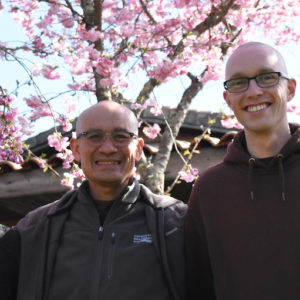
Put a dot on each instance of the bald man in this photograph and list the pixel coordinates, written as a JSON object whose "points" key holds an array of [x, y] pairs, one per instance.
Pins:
{"points": [[242, 226], [110, 239]]}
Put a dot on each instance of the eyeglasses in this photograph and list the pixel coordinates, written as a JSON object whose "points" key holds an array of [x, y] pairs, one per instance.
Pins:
{"points": [[97, 137], [264, 80]]}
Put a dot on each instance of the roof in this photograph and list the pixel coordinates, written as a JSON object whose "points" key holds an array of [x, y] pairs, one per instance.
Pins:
{"points": [[194, 124]]}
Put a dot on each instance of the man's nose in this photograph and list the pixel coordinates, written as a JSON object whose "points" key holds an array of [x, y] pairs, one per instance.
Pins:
{"points": [[107, 145], [253, 88]]}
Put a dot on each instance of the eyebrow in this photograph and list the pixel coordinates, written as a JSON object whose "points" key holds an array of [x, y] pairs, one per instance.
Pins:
{"points": [[242, 75], [114, 129]]}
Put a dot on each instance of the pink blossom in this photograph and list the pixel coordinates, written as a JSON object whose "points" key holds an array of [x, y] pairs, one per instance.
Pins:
{"points": [[65, 122], [45, 22], [41, 111], [11, 147], [138, 106], [68, 181], [66, 165], [38, 44], [62, 155], [293, 109], [41, 164], [59, 143], [155, 110], [164, 70], [78, 61], [83, 85], [46, 70], [10, 115], [106, 82], [189, 176], [33, 102], [78, 173], [104, 66], [24, 126], [68, 22], [91, 35], [71, 104], [7, 100], [231, 123], [49, 72], [152, 131], [67, 158]]}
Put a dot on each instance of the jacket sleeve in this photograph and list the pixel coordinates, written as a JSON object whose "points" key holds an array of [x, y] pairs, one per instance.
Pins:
{"points": [[9, 262], [199, 273]]}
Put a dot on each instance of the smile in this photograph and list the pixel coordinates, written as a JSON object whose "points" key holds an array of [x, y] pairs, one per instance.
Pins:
{"points": [[255, 108], [107, 163]]}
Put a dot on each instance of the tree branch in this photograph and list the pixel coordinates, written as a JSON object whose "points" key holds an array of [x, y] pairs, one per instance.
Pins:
{"points": [[215, 17]]}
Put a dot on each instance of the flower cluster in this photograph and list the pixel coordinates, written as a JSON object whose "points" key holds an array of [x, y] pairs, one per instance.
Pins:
{"points": [[10, 139], [231, 122], [152, 131], [189, 174], [159, 39]]}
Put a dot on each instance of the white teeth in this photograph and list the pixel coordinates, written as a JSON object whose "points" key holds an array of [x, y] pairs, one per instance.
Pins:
{"points": [[257, 107]]}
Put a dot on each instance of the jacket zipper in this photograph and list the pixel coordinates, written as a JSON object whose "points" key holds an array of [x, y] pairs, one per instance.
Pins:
{"points": [[98, 264], [100, 233], [111, 254]]}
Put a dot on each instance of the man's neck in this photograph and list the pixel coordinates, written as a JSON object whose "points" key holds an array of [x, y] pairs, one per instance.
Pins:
{"points": [[266, 144], [106, 192]]}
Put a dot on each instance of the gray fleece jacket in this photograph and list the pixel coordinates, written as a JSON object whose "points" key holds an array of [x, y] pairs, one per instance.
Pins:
{"points": [[138, 253]]}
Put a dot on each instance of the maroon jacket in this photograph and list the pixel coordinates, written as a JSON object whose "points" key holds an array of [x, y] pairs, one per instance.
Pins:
{"points": [[243, 226]]}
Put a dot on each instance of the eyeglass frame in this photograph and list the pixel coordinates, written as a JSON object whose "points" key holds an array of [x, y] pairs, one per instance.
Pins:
{"points": [[107, 133], [280, 75]]}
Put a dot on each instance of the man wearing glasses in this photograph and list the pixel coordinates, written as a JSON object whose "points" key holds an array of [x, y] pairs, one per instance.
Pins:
{"points": [[110, 239], [243, 222]]}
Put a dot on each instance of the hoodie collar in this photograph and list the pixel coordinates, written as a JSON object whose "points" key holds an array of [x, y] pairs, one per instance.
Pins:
{"points": [[237, 153]]}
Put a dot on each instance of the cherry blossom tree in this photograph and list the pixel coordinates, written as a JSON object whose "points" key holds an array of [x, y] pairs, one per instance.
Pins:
{"points": [[101, 43]]}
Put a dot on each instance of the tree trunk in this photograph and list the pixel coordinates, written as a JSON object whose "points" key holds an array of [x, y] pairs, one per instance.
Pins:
{"points": [[92, 11], [154, 177]]}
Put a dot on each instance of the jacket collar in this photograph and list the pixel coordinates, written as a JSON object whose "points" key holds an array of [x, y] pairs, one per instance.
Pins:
{"points": [[128, 196]]}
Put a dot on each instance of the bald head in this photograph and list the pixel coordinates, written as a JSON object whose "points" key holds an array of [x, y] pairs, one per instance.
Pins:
{"points": [[262, 55], [110, 110]]}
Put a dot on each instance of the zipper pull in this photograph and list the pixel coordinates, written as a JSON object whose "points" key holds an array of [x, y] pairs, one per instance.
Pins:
{"points": [[100, 233], [113, 238]]}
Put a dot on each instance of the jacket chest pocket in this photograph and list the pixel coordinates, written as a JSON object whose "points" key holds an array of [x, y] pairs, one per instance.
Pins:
{"points": [[129, 253]]}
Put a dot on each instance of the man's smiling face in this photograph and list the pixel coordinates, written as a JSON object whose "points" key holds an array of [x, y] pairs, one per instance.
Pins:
{"points": [[107, 164], [259, 109]]}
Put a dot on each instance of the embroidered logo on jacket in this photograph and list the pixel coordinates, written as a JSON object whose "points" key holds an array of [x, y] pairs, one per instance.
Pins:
{"points": [[142, 238]]}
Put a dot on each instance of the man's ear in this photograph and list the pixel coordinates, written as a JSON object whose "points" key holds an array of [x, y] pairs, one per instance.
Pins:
{"points": [[139, 149], [74, 145], [226, 98], [291, 85]]}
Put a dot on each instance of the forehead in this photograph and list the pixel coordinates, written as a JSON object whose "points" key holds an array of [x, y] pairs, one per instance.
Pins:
{"points": [[106, 118], [252, 60]]}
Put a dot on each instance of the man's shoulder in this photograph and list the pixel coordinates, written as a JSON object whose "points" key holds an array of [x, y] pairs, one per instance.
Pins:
{"points": [[174, 210], [40, 214], [162, 201], [214, 172]]}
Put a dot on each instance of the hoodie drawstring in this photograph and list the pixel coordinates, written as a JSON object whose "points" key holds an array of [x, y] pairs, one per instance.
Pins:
{"points": [[281, 174], [282, 178], [250, 177]]}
